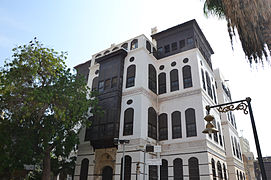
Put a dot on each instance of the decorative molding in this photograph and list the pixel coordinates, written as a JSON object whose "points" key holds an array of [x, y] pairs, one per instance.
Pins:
{"points": [[137, 91], [178, 95]]}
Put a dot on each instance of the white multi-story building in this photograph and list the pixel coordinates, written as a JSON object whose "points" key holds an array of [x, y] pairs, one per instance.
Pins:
{"points": [[155, 93]]}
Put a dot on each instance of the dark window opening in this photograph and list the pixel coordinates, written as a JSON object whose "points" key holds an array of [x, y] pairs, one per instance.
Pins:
{"points": [[185, 60], [167, 48], [160, 51], [176, 125], [193, 165], [164, 170], [152, 123], [95, 84], [162, 83], [115, 48], [148, 46], [163, 129], [174, 80], [174, 46], [219, 171], [173, 64], [114, 82], [203, 79], [225, 172], [190, 119], [182, 44], [214, 94], [107, 84], [125, 46], [84, 169], [215, 134], [131, 70], [178, 169], [209, 88], [152, 79], [128, 122], [101, 86], [127, 168], [213, 169], [153, 172], [134, 44], [190, 41], [161, 67], [187, 77]]}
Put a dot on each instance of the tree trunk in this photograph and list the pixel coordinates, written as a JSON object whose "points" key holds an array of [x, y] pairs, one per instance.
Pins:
{"points": [[46, 165]]}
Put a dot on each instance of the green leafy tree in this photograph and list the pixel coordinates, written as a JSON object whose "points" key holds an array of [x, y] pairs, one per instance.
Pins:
{"points": [[251, 19], [44, 106]]}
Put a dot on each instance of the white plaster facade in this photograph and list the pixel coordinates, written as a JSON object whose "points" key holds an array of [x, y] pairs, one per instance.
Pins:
{"points": [[202, 146]]}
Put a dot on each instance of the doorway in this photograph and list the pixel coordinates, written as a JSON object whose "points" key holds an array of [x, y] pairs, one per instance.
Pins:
{"points": [[107, 173]]}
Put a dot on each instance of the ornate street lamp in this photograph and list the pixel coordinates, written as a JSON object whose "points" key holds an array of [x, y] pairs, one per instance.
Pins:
{"points": [[243, 105]]}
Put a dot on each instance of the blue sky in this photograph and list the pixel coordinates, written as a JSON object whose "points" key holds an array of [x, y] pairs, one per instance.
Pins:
{"points": [[85, 27]]}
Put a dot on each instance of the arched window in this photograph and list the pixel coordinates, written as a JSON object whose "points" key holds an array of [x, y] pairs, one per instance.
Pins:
{"points": [[84, 169], [131, 71], [190, 119], [152, 123], [178, 169], [134, 44], [214, 94], [224, 171], [174, 80], [244, 176], [241, 176], [95, 84], [209, 87], [125, 46], [162, 86], [219, 170], [237, 174], [187, 77], [176, 125], [213, 169], [164, 170], [128, 122], [153, 172], [148, 46], [152, 78], [193, 165], [127, 168], [203, 80], [162, 124]]}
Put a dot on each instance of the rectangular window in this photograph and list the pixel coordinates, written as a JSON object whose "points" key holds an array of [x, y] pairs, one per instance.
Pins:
{"points": [[153, 172], [174, 46], [114, 82], [182, 43], [167, 48], [101, 86], [107, 84], [160, 50], [190, 40]]}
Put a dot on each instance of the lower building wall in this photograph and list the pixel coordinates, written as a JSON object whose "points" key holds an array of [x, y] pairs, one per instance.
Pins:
{"points": [[111, 158]]}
